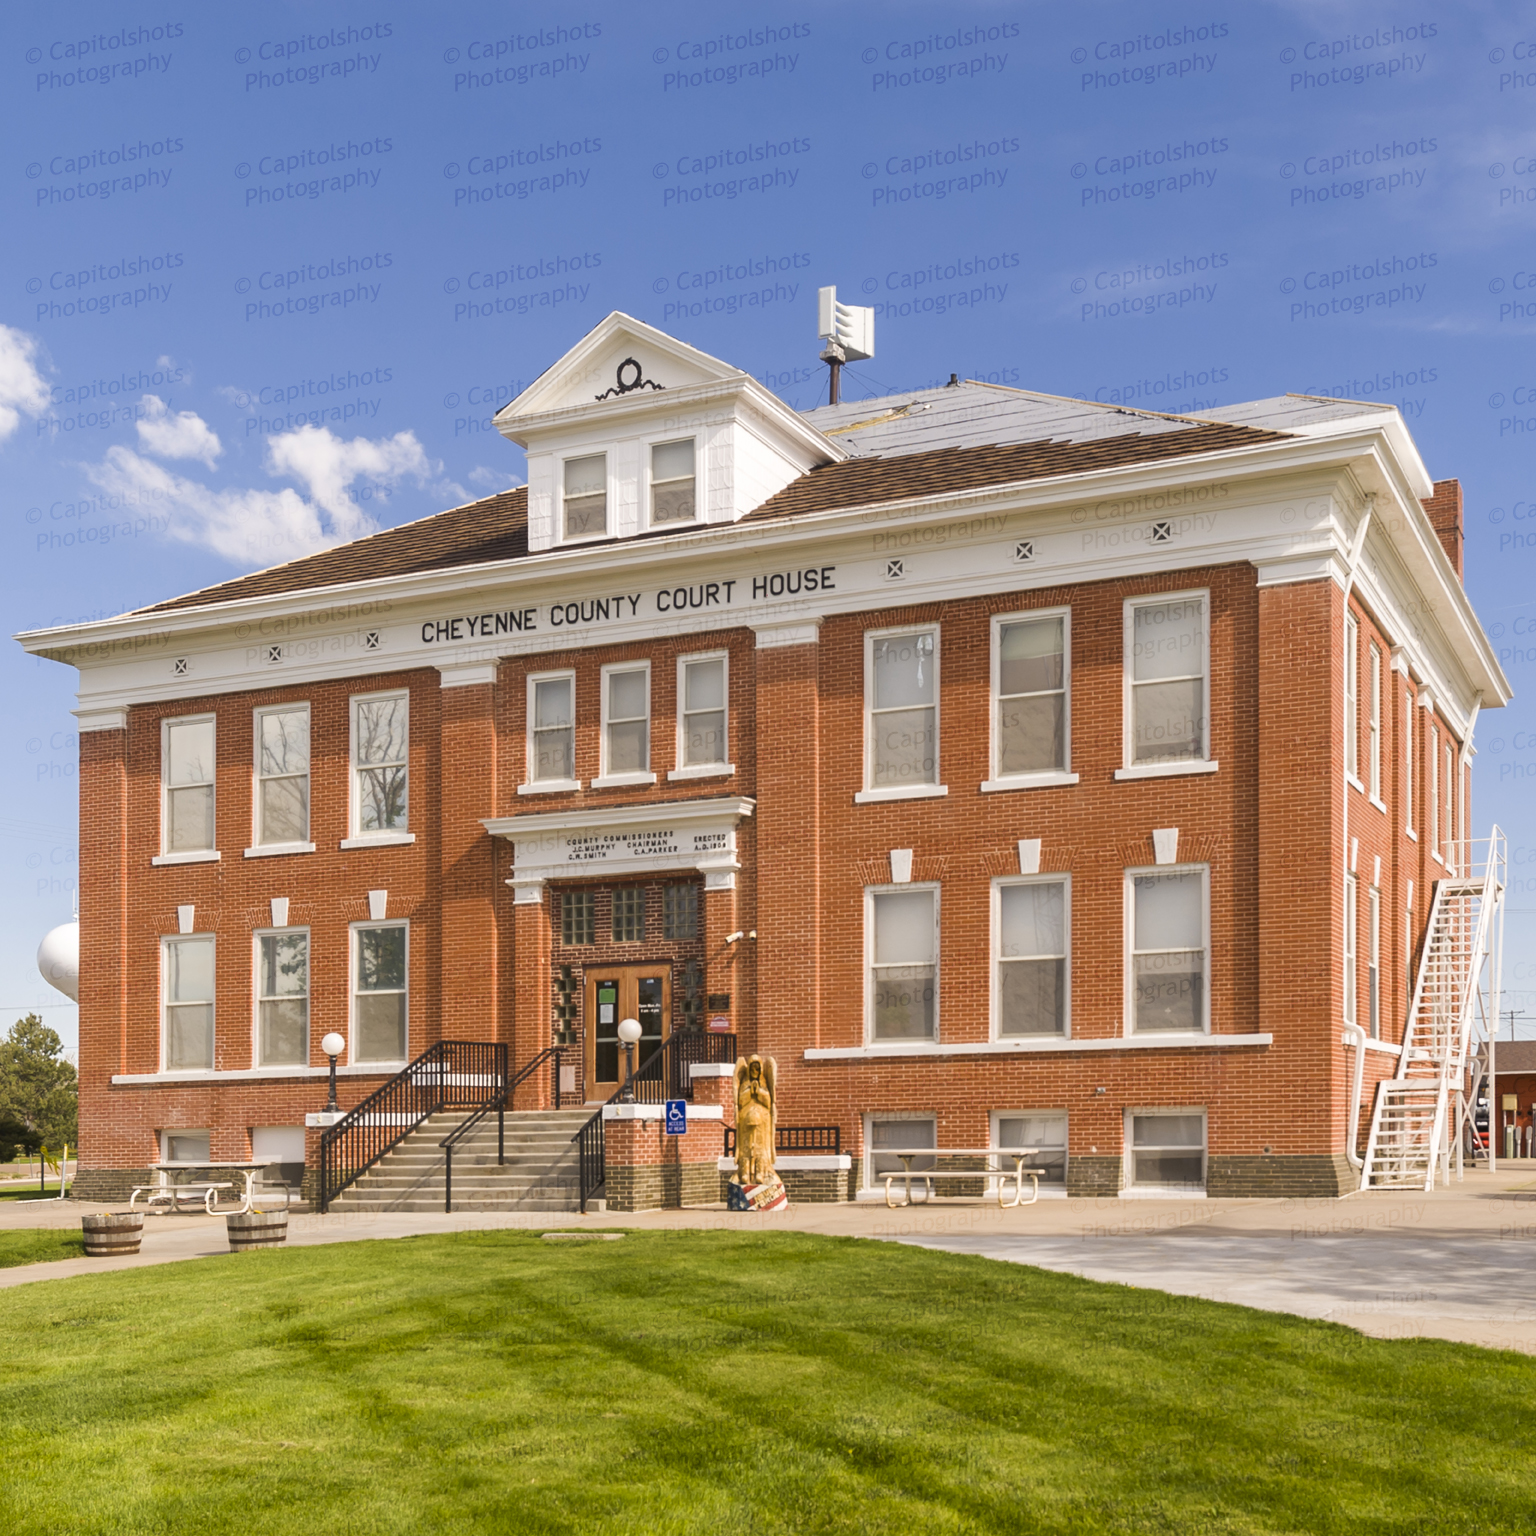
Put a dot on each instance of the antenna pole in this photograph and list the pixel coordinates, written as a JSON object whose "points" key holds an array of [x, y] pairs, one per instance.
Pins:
{"points": [[834, 357]]}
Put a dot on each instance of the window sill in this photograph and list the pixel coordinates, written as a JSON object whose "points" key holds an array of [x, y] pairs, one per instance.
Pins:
{"points": [[274, 850], [901, 792], [379, 840], [550, 787], [1436, 857], [1353, 782], [1163, 1192], [1411, 833], [1165, 770], [702, 771], [1027, 781], [251, 1074], [1380, 805], [1025, 1047], [622, 780], [202, 856]]}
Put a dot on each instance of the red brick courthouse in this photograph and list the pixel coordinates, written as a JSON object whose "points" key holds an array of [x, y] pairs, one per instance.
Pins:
{"points": [[1015, 770]]}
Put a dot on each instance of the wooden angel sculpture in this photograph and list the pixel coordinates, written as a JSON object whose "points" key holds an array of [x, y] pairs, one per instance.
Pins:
{"points": [[756, 1117]]}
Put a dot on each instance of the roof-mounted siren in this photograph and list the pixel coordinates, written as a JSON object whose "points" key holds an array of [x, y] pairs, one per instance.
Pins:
{"points": [[849, 333]]}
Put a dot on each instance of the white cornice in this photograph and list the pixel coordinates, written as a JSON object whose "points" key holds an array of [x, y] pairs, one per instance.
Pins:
{"points": [[629, 817]]}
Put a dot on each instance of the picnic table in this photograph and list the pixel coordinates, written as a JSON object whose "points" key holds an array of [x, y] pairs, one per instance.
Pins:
{"points": [[168, 1196], [1019, 1156]]}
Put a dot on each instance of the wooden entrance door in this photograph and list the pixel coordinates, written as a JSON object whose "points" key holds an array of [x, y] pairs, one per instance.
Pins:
{"points": [[615, 993]]}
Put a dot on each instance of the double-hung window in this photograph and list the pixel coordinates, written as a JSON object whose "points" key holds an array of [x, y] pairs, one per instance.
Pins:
{"points": [[379, 992], [282, 998], [1408, 744], [1373, 959], [186, 1015], [585, 509], [187, 772], [1351, 696], [1166, 1149], [672, 483], [1167, 685], [902, 704], [282, 776], [1373, 722], [1031, 925], [1029, 691], [626, 725], [902, 947], [1434, 791], [1169, 918], [1450, 804], [552, 731], [1046, 1133], [701, 715], [380, 771]]}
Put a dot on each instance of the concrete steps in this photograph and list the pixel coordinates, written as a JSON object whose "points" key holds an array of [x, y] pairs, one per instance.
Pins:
{"points": [[539, 1173]]}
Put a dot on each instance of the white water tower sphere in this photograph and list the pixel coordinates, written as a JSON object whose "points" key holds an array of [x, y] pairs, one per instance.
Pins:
{"points": [[333, 1044], [58, 958]]}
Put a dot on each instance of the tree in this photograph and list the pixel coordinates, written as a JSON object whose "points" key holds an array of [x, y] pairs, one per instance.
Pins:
{"points": [[39, 1092]]}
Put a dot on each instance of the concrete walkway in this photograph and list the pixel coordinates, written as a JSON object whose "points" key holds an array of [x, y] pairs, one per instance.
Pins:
{"points": [[1455, 1264]]}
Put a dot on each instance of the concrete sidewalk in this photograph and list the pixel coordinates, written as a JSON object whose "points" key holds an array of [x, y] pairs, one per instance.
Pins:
{"points": [[1455, 1264]]}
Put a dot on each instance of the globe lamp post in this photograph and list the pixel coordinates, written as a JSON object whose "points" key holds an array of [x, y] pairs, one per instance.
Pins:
{"points": [[629, 1033]]}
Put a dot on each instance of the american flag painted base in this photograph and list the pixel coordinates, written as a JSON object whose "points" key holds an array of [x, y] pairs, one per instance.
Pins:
{"points": [[770, 1195]]}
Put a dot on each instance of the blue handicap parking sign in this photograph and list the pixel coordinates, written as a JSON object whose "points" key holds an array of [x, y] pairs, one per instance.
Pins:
{"points": [[677, 1117]]}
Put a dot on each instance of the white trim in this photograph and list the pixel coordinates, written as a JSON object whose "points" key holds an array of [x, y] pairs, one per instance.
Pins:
{"points": [[607, 779], [354, 800], [107, 718], [1063, 774], [273, 850], [1384, 1046], [187, 855], [1161, 871], [1167, 770], [378, 840], [1027, 781], [700, 770], [893, 888], [898, 791], [353, 929], [901, 792], [1026, 1047], [995, 937], [698, 1069], [257, 935], [561, 540], [531, 785], [1128, 765], [647, 486], [772, 637], [465, 674]]}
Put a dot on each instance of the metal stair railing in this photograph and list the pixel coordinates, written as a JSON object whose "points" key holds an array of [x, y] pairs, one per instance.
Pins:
{"points": [[661, 1076], [452, 1074], [1409, 1120], [500, 1105]]}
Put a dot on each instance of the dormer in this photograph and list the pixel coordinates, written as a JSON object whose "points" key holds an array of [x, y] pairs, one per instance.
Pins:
{"points": [[633, 431]]}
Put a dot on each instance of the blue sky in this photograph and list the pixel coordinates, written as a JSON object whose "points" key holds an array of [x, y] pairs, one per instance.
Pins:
{"points": [[227, 225]]}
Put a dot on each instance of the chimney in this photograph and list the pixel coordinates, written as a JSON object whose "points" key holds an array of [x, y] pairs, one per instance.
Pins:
{"points": [[1444, 509]]}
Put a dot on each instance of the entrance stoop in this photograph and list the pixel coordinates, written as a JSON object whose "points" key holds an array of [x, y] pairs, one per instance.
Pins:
{"points": [[539, 1172]]}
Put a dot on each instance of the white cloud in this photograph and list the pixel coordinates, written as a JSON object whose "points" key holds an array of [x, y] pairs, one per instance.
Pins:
{"points": [[21, 385], [259, 527], [182, 436], [493, 479], [327, 466]]}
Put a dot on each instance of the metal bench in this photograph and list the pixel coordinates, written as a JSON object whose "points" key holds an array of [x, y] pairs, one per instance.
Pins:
{"points": [[166, 1196], [1018, 1155], [173, 1195]]}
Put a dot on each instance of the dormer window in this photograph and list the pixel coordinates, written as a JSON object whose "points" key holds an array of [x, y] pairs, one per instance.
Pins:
{"points": [[586, 497], [672, 498]]}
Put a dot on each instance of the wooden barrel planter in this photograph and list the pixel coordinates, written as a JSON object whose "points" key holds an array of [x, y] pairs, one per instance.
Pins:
{"points": [[257, 1229], [112, 1233]]}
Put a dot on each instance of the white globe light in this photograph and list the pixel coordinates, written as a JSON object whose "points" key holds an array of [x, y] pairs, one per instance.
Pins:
{"points": [[629, 1031], [58, 958], [333, 1044]]}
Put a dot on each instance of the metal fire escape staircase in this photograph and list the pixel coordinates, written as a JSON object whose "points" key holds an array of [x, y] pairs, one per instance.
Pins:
{"points": [[1420, 1113]]}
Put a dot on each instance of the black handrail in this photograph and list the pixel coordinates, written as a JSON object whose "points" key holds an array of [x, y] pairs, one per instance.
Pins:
{"points": [[661, 1076], [796, 1138], [452, 1074], [500, 1105]]}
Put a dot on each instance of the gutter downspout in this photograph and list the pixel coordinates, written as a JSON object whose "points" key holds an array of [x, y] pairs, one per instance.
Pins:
{"points": [[1357, 548]]}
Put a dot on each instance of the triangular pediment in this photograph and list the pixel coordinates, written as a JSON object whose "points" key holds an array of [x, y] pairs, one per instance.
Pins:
{"points": [[619, 359]]}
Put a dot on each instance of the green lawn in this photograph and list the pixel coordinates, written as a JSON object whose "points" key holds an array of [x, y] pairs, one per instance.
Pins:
{"points": [[681, 1382], [36, 1245]]}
